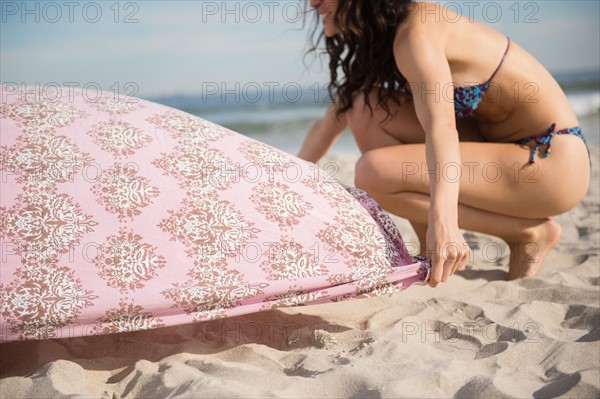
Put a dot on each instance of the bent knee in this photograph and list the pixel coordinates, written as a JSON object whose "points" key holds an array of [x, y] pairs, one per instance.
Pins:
{"points": [[366, 174]]}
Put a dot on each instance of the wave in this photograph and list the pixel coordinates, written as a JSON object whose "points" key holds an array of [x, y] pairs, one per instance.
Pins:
{"points": [[290, 118], [280, 117], [585, 103], [579, 80]]}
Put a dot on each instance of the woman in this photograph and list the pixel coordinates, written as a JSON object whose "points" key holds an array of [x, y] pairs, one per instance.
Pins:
{"points": [[413, 99]]}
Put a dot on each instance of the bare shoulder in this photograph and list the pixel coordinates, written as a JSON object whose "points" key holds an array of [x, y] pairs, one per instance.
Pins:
{"points": [[422, 28]]}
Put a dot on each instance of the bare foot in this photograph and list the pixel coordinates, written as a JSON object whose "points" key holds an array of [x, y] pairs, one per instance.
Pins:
{"points": [[527, 256]]}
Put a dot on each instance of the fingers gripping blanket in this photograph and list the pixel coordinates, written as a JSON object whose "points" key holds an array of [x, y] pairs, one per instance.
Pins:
{"points": [[119, 214]]}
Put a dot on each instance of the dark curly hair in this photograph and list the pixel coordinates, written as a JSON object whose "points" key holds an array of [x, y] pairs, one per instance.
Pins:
{"points": [[364, 51]]}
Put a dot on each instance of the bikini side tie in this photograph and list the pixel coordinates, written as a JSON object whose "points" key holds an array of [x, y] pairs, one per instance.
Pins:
{"points": [[540, 139]]}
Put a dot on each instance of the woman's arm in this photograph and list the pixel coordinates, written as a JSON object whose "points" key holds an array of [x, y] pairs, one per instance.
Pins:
{"points": [[322, 135], [420, 57]]}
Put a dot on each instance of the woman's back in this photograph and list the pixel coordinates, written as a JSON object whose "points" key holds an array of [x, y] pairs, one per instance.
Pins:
{"points": [[523, 97]]}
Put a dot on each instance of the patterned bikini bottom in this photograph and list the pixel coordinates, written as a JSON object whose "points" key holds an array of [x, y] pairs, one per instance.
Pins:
{"points": [[546, 138]]}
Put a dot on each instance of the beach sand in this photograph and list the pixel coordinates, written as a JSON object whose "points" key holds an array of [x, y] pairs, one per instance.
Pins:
{"points": [[475, 336]]}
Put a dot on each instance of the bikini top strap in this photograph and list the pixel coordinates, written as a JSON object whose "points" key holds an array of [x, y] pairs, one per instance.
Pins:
{"points": [[501, 61]]}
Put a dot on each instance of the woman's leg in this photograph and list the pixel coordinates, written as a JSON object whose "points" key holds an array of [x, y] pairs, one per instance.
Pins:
{"points": [[529, 240], [370, 133], [498, 196]]}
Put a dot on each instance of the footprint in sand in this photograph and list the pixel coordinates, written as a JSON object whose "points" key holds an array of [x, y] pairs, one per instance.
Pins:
{"points": [[480, 387], [585, 231], [491, 350], [559, 386]]}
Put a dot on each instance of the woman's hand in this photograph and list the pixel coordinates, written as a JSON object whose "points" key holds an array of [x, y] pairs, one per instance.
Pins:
{"points": [[447, 249], [322, 135]]}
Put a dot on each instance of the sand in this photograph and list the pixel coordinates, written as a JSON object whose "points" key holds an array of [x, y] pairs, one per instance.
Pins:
{"points": [[475, 336]]}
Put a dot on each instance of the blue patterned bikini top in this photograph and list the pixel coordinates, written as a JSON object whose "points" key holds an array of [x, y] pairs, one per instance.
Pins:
{"points": [[468, 98]]}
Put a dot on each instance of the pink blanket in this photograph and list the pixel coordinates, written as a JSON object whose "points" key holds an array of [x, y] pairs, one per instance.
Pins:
{"points": [[119, 214]]}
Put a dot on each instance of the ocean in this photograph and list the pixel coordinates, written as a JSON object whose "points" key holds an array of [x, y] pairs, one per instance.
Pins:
{"points": [[281, 118]]}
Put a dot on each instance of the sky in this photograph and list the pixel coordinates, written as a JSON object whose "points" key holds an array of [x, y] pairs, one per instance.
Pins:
{"points": [[162, 48]]}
